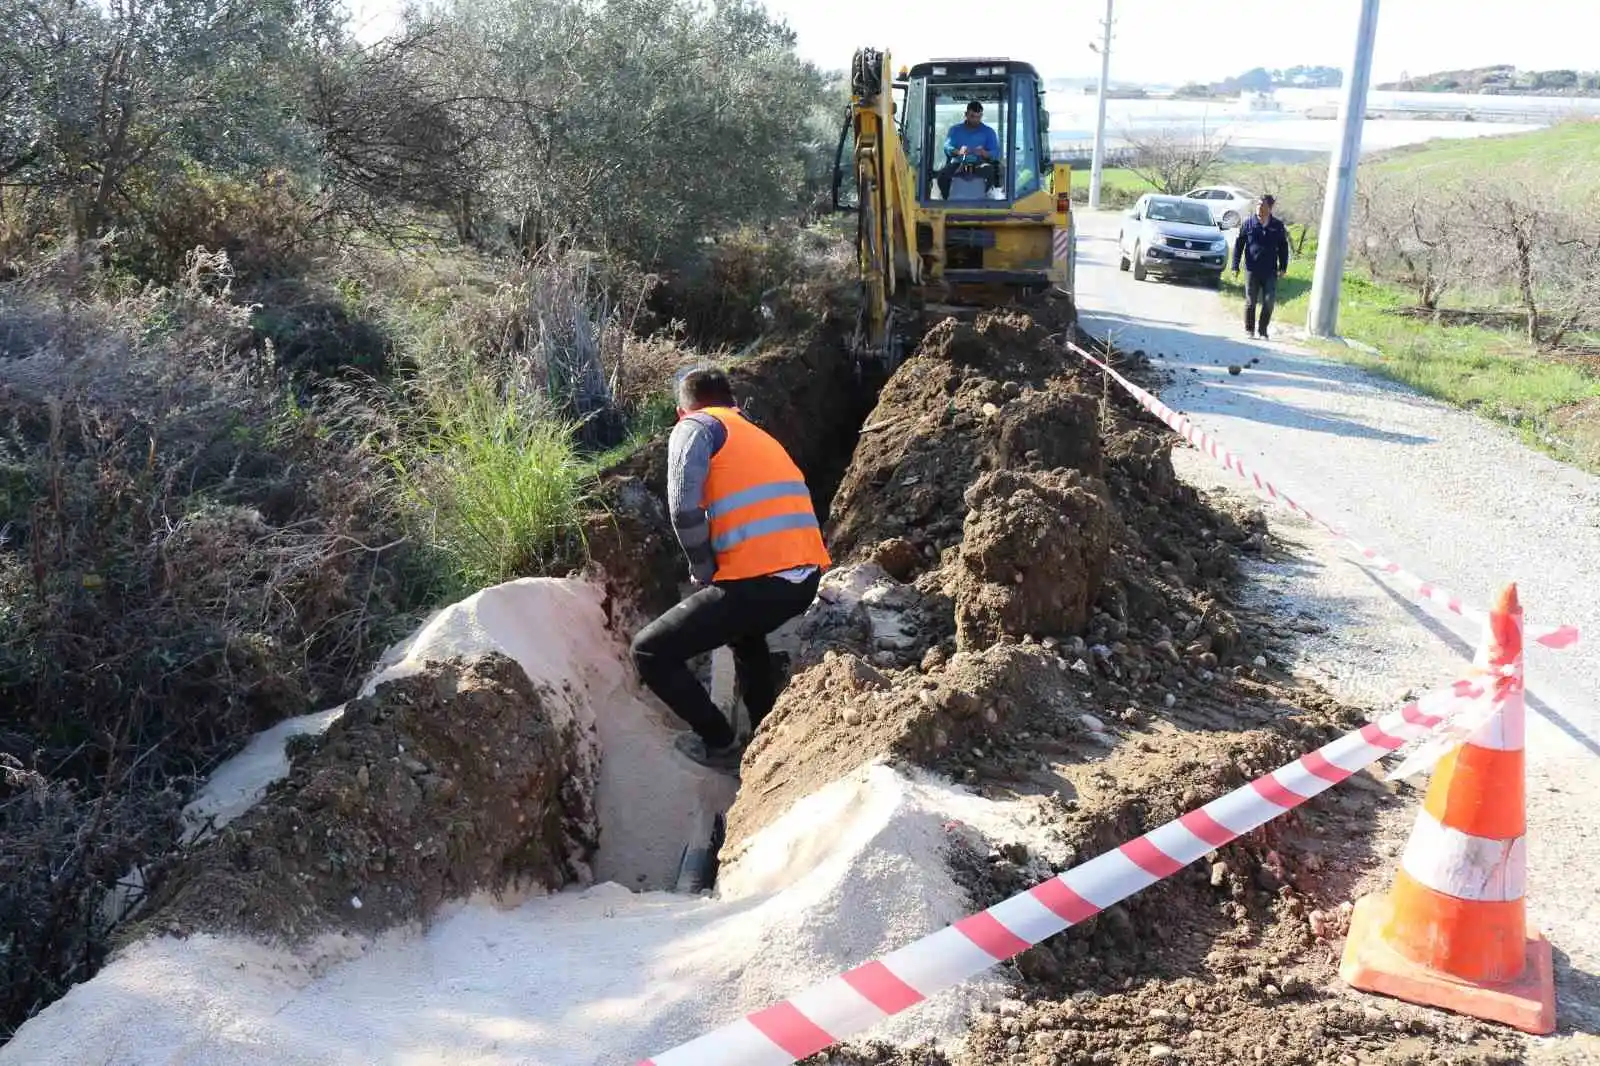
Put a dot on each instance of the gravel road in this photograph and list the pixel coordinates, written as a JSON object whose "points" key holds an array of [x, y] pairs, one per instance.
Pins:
{"points": [[1446, 494]]}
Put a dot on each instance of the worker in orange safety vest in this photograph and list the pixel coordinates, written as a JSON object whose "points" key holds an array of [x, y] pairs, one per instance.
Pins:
{"points": [[743, 515]]}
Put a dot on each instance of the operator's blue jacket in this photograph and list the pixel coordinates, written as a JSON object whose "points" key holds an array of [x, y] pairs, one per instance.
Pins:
{"points": [[962, 135], [1265, 247]]}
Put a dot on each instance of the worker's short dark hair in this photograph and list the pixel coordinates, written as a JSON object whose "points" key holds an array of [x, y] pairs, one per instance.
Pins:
{"points": [[705, 387], [975, 105], [1267, 199]]}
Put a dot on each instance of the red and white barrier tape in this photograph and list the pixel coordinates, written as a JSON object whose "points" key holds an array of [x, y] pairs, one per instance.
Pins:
{"points": [[851, 1002], [1549, 637]]}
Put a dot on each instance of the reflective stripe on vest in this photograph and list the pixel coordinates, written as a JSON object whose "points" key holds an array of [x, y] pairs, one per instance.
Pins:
{"points": [[761, 527], [757, 504]]}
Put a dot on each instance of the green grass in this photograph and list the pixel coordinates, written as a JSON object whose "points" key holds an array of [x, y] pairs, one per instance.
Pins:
{"points": [[1119, 178], [1119, 187], [1567, 154], [653, 417], [497, 485], [1555, 405]]}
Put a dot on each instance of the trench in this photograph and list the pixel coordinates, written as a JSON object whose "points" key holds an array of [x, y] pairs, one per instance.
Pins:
{"points": [[661, 815]]}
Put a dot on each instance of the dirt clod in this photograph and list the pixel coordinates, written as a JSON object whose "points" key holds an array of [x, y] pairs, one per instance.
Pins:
{"points": [[1033, 552]]}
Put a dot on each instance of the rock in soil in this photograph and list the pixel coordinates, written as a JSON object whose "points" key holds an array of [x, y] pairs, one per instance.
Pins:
{"points": [[1033, 552]]}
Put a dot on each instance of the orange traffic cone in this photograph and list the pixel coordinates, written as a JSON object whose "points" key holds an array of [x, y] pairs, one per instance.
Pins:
{"points": [[1452, 932]]}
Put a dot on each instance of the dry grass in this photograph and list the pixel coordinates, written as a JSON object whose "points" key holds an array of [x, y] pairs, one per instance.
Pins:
{"points": [[188, 557], [209, 523]]}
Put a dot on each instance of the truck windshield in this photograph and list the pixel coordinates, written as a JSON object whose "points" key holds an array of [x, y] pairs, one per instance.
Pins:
{"points": [[1180, 211]]}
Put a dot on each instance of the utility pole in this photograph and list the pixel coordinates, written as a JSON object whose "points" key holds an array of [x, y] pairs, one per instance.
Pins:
{"points": [[1100, 122], [1334, 239]]}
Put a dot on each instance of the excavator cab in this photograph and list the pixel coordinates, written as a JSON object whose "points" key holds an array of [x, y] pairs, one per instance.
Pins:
{"points": [[956, 198], [938, 97]]}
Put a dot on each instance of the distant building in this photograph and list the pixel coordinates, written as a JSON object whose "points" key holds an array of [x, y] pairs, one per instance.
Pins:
{"points": [[1256, 102]]}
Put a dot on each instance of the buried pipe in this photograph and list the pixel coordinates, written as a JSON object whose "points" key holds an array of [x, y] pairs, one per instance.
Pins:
{"points": [[697, 865], [697, 869]]}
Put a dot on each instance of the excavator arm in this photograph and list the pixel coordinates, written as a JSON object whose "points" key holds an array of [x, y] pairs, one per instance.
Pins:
{"points": [[884, 185]]}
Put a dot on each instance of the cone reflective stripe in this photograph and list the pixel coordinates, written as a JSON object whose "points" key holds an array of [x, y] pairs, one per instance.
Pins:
{"points": [[1452, 932]]}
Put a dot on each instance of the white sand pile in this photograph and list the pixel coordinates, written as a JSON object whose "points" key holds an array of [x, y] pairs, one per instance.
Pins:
{"points": [[651, 799], [601, 975]]}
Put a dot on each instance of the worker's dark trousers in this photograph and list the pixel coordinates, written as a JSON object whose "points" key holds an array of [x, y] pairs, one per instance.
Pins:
{"points": [[738, 614], [1259, 288]]}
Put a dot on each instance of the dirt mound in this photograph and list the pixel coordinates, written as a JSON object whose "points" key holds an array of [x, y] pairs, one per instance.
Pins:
{"points": [[437, 785], [1033, 551], [833, 716], [1075, 637], [976, 397], [1079, 587]]}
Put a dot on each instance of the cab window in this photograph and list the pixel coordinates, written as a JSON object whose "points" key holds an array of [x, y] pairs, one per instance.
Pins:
{"points": [[914, 110], [1027, 147], [948, 108]]}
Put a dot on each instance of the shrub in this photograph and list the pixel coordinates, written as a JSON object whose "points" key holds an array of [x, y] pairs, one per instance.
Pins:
{"points": [[189, 557], [754, 282], [265, 224], [311, 330]]}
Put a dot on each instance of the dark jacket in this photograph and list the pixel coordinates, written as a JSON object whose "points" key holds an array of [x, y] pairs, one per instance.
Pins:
{"points": [[1265, 247]]}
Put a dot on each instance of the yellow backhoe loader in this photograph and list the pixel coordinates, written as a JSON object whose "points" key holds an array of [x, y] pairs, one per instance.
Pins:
{"points": [[946, 211]]}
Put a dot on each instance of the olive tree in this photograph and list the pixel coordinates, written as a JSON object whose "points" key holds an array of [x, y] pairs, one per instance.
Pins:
{"points": [[635, 125], [99, 101]]}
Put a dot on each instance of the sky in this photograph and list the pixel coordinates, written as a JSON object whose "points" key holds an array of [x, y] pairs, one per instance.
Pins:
{"points": [[1175, 41]]}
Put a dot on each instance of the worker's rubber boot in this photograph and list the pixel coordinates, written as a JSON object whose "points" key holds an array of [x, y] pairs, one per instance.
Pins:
{"points": [[725, 758]]}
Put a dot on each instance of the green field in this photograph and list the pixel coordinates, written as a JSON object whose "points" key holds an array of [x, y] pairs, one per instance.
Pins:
{"points": [[1553, 402], [1565, 157], [1115, 178]]}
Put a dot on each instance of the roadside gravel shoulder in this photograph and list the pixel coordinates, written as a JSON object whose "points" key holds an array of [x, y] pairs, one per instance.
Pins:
{"points": [[1449, 495]]}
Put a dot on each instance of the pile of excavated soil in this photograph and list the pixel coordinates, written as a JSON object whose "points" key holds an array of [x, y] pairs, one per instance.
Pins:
{"points": [[1135, 551], [1035, 606], [472, 761], [459, 778]]}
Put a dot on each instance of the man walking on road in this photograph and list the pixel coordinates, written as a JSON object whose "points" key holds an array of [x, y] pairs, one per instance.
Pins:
{"points": [[1263, 241], [743, 515]]}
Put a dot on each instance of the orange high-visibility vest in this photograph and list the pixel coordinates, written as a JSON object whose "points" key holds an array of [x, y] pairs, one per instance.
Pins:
{"points": [[757, 505]]}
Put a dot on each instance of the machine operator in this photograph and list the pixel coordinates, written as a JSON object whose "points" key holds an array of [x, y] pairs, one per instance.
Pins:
{"points": [[968, 138]]}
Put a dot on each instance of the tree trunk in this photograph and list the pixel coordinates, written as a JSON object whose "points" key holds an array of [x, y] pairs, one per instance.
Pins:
{"points": [[1530, 303]]}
